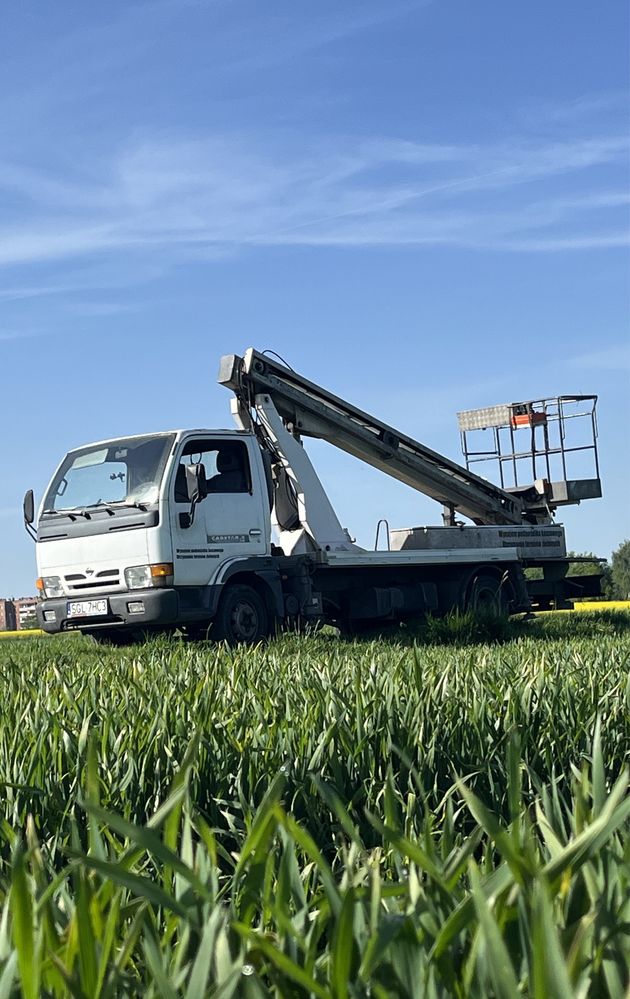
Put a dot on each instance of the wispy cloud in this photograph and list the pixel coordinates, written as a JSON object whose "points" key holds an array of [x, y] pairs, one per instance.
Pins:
{"points": [[84, 280], [20, 334], [294, 35], [578, 109], [99, 53], [614, 357], [197, 195], [17, 294], [102, 310]]}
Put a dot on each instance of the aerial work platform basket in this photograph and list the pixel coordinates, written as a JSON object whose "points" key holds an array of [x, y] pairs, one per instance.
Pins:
{"points": [[542, 450]]}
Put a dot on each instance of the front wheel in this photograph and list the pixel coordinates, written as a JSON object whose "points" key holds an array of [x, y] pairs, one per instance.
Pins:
{"points": [[242, 618]]}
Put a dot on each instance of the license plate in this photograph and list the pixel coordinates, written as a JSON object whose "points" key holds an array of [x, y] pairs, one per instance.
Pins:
{"points": [[87, 608]]}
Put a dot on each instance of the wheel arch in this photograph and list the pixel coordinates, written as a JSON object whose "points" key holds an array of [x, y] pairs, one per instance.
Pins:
{"points": [[266, 583]]}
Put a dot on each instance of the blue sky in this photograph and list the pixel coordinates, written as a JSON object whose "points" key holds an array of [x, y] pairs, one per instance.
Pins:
{"points": [[421, 205]]}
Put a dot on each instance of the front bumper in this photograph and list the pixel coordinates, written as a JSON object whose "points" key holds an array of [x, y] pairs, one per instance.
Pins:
{"points": [[161, 607]]}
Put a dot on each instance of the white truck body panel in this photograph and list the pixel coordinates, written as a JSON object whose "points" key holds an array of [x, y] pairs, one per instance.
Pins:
{"points": [[419, 558], [543, 541]]}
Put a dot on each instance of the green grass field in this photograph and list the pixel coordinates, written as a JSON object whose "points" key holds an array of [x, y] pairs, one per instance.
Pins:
{"points": [[428, 814]]}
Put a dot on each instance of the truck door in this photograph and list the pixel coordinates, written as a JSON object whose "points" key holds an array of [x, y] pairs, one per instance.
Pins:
{"points": [[233, 519]]}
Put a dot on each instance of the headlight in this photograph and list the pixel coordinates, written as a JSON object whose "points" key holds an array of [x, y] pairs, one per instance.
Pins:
{"points": [[50, 586], [140, 577]]}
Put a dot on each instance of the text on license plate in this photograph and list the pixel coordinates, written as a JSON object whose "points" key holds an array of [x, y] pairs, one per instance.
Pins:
{"points": [[86, 608]]}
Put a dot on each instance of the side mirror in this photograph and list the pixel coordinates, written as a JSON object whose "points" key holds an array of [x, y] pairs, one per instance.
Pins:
{"points": [[196, 485], [28, 507], [197, 490]]}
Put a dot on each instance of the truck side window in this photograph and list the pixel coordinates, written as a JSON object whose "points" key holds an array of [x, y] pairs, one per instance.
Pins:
{"points": [[226, 463]]}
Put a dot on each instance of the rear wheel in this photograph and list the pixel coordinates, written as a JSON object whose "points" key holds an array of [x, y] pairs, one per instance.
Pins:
{"points": [[242, 618], [487, 595]]}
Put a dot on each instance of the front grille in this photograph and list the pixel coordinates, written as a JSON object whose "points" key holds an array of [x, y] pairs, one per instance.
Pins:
{"points": [[106, 579]]}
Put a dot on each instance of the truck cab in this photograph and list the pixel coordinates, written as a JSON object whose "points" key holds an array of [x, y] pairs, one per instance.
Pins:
{"points": [[123, 541]]}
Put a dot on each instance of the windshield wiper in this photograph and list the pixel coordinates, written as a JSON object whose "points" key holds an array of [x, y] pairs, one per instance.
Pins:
{"points": [[72, 512], [110, 508], [82, 511], [132, 504]]}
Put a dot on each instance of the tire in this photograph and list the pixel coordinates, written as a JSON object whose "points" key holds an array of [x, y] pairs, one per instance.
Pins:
{"points": [[242, 618], [487, 596]]}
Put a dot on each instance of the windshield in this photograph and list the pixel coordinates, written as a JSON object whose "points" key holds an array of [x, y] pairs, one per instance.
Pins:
{"points": [[122, 471]]}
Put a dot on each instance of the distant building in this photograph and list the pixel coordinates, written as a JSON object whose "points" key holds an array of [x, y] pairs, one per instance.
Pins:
{"points": [[24, 609], [7, 615], [17, 614]]}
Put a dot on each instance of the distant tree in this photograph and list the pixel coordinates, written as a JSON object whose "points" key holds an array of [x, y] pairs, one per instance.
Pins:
{"points": [[30, 621], [620, 572]]}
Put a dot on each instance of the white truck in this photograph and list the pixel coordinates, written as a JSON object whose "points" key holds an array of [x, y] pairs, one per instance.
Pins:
{"points": [[230, 532]]}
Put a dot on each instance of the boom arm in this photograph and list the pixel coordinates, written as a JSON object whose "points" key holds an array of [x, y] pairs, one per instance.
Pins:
{"points": [[308, 410]]}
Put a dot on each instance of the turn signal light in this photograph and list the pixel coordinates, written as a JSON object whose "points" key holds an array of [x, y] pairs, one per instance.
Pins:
{"points": [[162, 569], [39, 583]]}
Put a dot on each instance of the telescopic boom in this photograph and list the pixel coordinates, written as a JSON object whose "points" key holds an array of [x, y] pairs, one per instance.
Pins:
{"points": [[308, 410]]}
